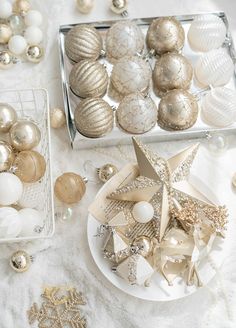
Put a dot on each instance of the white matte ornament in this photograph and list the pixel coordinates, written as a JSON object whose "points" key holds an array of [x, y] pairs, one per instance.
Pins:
{"points": [[33, 35], [30, 219], [11, 188], [85, 6], [33, 18], [10, 223], [143, 212], [17, 44], [5, 9]]}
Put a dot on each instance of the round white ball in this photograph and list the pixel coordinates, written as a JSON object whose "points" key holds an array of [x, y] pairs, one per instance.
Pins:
{"points": [[33, 35], [5, 9], [33, 18], [143, 212], [10, 223], [11, 188], [17, 44], [30, 218]]}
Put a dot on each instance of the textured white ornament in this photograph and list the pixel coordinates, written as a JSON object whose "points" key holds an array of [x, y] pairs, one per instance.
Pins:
{"points": [[214, 68], [17, 44], [10, 223], [85, 6], [130, 75], [33, 18], [206, 32], [219, 107], [33, 35], [5, 9], [136, 113], [11, 188], [30, 219], [143, 212], [124, 39]]}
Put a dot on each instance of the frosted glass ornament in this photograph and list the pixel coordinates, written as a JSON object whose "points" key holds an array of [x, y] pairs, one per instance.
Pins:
{"points": [[16, 23], [206, 32], [33, 35], [219, 107], [33, 18], [30, 219], [5, 9], [143, 212], [214, 68], [10, 223], [130, 75], [17, 44], [11, 188], [136, 113], [124, 38]]}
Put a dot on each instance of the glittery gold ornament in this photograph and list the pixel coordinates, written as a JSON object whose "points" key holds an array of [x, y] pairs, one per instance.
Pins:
{"points": [[6, 59], [8, 117], [94, 117], [29, 166], [57, 118], [143, 244], [178, 110], [88, 79], [20, 261], [172, 71], [21, 7], [5, 33], [70, 188], [85, 6], [83, 42], [24, 135], [106, 172], [34, 54], [6, 156], [165, 34]]}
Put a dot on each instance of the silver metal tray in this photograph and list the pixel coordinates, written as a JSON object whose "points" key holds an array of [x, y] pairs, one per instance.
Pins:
{"points": [[118, 136]]}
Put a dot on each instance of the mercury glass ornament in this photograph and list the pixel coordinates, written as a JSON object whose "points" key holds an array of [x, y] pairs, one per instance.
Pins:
{"points": [[106, 172], [219, 107], [34, 53], [124, 39], [172, 71], [85, 6], [21, 7], [70, 188], [165, 34], [136, 113], [214, 68], [7, 156], [6, 59], [57, 118], [206, 32], [20, 261], [94, 117], [10, 223], [88, 79], [8, 117], [11, 188], [130, 75], [16, 23], [24, 135], [5, 33], [178, 110], [144, 245], [83, 42], [31, 219], [119, 7]]}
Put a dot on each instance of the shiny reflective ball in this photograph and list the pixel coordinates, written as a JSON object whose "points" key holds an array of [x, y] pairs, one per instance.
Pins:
{"points": [[144, 245], [8, 117], [6, 156], [106, 172], [34, 53], [20, 261]]}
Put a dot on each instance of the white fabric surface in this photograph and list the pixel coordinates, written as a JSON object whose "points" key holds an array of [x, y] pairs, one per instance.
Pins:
{"points": [[66, 259]]}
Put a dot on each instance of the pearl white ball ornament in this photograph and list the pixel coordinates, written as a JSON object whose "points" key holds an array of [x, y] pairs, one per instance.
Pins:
{"points": [[33, 35], [85, 6], [10, 223], [17, 44], [143, 212], [5, 9], [33, 18], [30, 219], [11, 188]]}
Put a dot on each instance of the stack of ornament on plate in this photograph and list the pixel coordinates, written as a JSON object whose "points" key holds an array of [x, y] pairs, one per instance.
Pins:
{"points": [[21, 166]]}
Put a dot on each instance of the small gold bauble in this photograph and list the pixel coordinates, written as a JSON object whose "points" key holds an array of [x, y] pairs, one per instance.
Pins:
{"points": [[24, 135], [69, 188], [20, 261], [106, 172], [144, 245], [57, 118], [88, 79], [5, 33], [21, 7], [6, 59], [34, 54], [6, 156], [165, 34], [85, 6], [30, 166], [8, 117]]}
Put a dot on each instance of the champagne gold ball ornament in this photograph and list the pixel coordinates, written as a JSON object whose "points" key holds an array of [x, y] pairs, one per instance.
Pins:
{"points": [[88, 79], [165, 34], [6, 156], [21, 7], [70, 188], [5, 33], [106, 172], [144, 245], [20, 261], [8, 117], [24, 135], [83, 42], [6, 59], [29, 166], [85, 6], [34, 53], [178, 110], [119, 7], [57, 118], [172, 71], [94, 117]]}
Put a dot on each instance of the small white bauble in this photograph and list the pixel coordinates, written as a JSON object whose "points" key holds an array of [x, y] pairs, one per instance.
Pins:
{"points": [[143, 212], [10, 223], [17, 44], [11, 188], [30, 219], [33, 35], [218, 143], [85, 6], [33, 18], [5, 9]]}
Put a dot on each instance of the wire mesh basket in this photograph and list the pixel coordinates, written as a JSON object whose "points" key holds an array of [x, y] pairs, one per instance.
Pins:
{"points": [[33, 103]]}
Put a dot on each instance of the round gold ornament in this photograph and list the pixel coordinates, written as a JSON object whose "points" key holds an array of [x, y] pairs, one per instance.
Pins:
{"points": [[106, 172], [57, 118], [165, 34], [21, 7], [85, 6], [172, 71], [6, 59], [83, 42], [144, 245], [5, 33], [88, 79], [29, 166], [34, 54], [24, 135], [8, 117], [178, 110], [69, 188], [94, 117], [20, 261], [6, 156]]}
